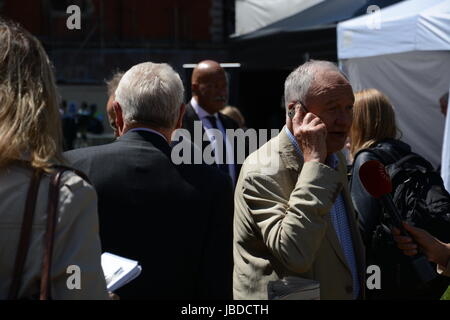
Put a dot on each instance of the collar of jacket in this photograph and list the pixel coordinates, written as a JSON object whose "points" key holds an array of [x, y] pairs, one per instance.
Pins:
{"points": [[146, 136], [294, 161], [288, 153]]}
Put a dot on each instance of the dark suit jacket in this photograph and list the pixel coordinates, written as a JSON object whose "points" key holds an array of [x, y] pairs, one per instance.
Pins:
{"points": [[165, 216], [188, 123]]}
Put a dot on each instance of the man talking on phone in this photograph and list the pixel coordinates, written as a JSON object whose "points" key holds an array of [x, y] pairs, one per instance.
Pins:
{"points": [[293, 213]]}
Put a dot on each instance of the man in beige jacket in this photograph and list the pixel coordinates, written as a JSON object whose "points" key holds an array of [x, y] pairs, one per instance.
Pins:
{"points": [[293, 213]]}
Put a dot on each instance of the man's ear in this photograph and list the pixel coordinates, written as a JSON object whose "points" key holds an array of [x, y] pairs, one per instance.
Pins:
{"points": [[119, 117], [180, 116], [194, 88]]}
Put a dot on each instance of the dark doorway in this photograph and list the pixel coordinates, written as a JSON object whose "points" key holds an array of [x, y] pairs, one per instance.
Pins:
{"points": [[260, 98]]}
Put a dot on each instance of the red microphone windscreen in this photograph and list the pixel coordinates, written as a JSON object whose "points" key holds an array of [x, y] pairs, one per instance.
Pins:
{"points": [[375, 178]]}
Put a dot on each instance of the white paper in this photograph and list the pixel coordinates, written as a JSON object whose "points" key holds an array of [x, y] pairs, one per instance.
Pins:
{"points": [[119, 270]]}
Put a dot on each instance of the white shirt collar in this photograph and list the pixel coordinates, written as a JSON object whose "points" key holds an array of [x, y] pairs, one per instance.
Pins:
{"points": [[148, 130], [202, 113]]}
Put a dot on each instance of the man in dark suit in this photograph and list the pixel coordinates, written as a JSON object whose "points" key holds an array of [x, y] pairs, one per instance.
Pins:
{"points": [[165, 216], [209, 96]]}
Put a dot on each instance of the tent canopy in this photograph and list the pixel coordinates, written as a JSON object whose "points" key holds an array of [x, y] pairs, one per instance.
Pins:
{"points": [[252, 15], [408, 59], [321, 15], [413, 25]]}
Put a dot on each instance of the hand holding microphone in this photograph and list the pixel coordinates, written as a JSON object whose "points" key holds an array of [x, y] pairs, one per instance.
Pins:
{"points": [[378, 184]]}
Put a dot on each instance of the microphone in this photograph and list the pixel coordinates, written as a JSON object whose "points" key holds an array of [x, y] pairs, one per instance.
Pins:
{"points": [[378, 184]]}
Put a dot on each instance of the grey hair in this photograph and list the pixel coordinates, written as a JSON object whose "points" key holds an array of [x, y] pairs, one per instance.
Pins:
{"points": [[299, 81], [113, 82], [151, 93]]}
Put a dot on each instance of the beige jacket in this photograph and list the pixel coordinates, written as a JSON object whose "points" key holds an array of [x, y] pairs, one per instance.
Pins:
{"points": [[77, 239], [282, 226]]}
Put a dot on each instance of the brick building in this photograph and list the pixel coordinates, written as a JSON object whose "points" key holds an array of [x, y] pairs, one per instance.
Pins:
{"points": [[116, 34]]}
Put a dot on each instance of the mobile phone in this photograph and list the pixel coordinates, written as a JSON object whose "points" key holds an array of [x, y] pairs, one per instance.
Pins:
{"points": [[291, 112]]}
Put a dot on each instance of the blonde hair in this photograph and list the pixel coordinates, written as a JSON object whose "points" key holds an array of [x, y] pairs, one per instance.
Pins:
{"points": [[234, 114], [30, 124], [373, 120]]}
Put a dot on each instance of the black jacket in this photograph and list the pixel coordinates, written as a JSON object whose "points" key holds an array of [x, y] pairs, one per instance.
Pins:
{"points": [[166, 216], [188, 123], [367, 207], [399, 279]]}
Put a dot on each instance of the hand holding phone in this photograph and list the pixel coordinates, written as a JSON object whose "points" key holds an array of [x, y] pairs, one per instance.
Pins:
{"points": [[293, 110], [310, 132]]}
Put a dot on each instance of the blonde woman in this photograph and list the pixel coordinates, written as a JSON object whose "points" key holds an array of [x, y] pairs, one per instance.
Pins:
{"points": [[374, 136], [374, 126], [30, 142]]}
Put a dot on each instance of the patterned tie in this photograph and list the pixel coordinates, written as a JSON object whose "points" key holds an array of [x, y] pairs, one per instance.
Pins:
{"points": [[341, 225], [222, 166]]}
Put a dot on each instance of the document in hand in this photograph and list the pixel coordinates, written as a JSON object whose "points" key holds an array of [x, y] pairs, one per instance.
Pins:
{"points": [[293, 288], [118, 270]]}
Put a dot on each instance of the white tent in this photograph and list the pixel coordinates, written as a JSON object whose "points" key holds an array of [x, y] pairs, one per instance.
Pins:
{"points": [[404, 51], [252, 15]]}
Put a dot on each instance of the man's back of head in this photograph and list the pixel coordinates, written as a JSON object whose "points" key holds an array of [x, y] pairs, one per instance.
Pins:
{"points": [[151, 95]]}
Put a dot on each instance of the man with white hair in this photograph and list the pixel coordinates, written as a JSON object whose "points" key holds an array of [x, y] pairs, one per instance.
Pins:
{"points": [[293, 213], [165, 216]]}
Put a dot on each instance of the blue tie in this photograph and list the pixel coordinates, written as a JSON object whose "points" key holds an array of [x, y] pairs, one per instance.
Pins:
{"points": [[340, 222], [222, 166]]}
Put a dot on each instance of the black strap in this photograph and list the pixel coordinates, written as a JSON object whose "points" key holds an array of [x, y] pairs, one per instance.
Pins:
{"points": [[52, 214], [77, 172], [25, 234]]}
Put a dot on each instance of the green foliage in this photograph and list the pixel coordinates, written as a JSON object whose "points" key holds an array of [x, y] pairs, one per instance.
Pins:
{"points": [[446, 295]]}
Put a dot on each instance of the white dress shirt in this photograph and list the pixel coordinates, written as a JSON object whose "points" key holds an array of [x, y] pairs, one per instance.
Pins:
{"points": [[207, 125]]}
